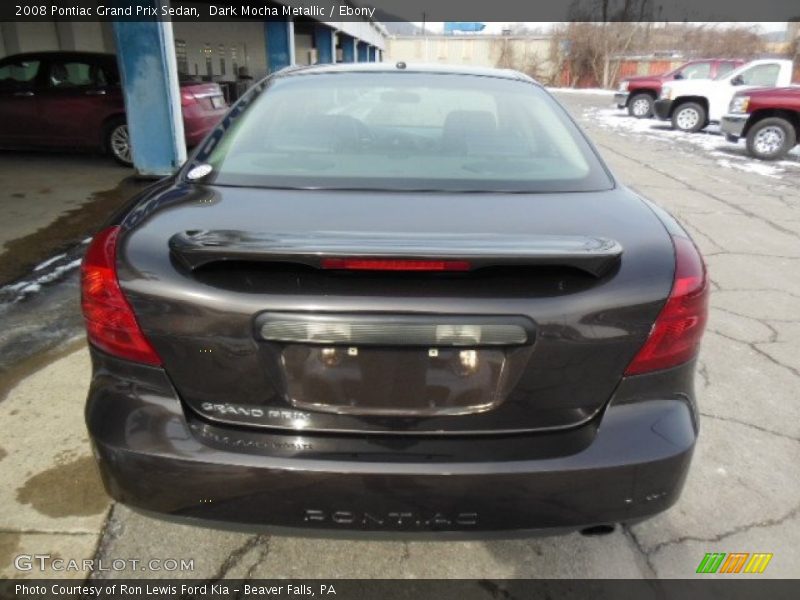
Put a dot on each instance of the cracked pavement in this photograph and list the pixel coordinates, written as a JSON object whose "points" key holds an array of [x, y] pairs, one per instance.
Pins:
{"points": [[742, 493]]}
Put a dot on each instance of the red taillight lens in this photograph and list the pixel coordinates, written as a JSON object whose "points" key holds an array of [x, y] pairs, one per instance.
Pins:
{"points": [[110, 322], [675, 337], [370, 264], [187, 98]]}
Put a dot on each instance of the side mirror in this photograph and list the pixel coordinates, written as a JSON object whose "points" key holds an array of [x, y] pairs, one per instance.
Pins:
{"points": [[737, 80], [678, 76]]}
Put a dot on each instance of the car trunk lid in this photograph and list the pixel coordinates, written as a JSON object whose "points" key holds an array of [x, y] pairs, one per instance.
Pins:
{"points": [[245, 296], [207, 95]]}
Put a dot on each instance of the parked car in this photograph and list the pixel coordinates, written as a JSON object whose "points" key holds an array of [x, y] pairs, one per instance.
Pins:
{"points": [[768, 118], [74, 100], [638, 94], [395, 298], [692, 105]]}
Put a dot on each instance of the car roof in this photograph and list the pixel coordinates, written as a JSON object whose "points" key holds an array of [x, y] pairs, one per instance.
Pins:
{"points": [[400, 66]]}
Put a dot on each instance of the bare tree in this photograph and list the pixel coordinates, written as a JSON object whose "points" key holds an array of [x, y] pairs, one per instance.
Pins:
{"points": [[601, 30], [586, 49], [594, 49], [710, 40], [515, 53], [503, 50]]}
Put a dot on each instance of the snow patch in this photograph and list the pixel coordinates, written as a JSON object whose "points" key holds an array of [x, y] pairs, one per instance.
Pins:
{"points": [[764, 169], [595, 91], [48, 262], [726, 154], [27, 286]]}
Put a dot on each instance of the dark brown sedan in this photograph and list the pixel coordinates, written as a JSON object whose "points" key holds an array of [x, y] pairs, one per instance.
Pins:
{"points": [[395, 298]]}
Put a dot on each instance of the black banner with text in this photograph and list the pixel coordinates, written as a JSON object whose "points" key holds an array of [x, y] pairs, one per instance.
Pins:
{"points": [[405, 10], [390, 589]]}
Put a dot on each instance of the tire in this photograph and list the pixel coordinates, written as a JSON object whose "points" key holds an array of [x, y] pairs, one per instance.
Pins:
{"points": [[641, 106], [771, 138], [117, 142], [689, 117]]}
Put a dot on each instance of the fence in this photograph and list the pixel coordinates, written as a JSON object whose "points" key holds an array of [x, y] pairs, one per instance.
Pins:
{"points": [[627, 67]]}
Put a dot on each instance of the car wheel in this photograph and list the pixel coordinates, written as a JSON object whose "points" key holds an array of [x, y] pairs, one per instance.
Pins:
{"points": [[689, 117], [118, 142], [641, 106], [771, 138]]}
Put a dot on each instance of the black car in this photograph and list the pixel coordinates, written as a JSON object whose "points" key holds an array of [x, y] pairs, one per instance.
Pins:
{"points": [[395, 298]]}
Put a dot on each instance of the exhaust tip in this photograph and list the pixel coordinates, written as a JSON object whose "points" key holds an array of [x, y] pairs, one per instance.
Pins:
{"points": [[597, 530]]}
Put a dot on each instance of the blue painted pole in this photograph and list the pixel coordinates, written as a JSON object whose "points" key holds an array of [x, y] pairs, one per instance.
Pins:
{"points": [[146, 57], [280, 44], [348, 48], [362, 52], [323, 42]]}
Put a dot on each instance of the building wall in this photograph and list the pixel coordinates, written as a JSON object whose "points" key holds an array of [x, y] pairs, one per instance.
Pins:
{"points": [[367, 31], [243, 43], [89, 36], [199, 45], [522, 53], [304, 53], [51, 35], [28, 37]]}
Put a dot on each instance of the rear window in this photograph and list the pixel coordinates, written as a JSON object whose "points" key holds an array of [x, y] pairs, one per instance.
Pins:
{"points": [[18, 73], [405, 131], [724, 68], [696, 71]]}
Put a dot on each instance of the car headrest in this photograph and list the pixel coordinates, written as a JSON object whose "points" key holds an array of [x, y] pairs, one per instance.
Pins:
{"points": [[463, 125], [58, 74], [479, 122]]}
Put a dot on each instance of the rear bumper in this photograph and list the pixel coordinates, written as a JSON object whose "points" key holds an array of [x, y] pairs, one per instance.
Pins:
{"points": [[152, 457], [733, 125], [621, 99], [662, 108]]}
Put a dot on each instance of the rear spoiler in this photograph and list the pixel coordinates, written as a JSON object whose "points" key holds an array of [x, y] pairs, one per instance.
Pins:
{"points": [[594, 255]]}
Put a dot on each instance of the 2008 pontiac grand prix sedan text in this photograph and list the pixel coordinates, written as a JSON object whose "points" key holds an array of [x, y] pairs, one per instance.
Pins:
{"points": [[386, 297]]}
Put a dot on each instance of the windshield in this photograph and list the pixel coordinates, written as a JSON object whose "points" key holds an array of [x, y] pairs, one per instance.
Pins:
{"points": [[405, 131]]}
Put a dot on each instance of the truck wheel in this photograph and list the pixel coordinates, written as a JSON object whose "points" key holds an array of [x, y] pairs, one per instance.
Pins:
{"points": [[641, 106], [689, 117], [118, 142], [771, 138]]}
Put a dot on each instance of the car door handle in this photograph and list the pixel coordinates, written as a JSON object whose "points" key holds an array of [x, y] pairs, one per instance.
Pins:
{"points": [[23, 93], [95, 92]]}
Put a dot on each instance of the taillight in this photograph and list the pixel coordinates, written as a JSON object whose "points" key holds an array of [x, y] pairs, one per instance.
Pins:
{"points": [[373, 264], [187, 98], [675, 336], [110, 322]]}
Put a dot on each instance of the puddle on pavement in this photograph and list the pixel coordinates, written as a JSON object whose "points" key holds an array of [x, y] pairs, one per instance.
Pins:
{"points": [[9, 378], [23, 254], [9, 544], [72, 488]]}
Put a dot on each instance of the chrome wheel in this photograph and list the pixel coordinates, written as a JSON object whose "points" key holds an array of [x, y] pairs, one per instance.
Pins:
{"points": [[687, 118], [769, 140], [120, 144], [640, 107]]}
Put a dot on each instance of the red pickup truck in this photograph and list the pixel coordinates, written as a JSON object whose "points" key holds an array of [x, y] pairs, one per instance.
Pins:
{"points": [[768, 117], [638, 94]]}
